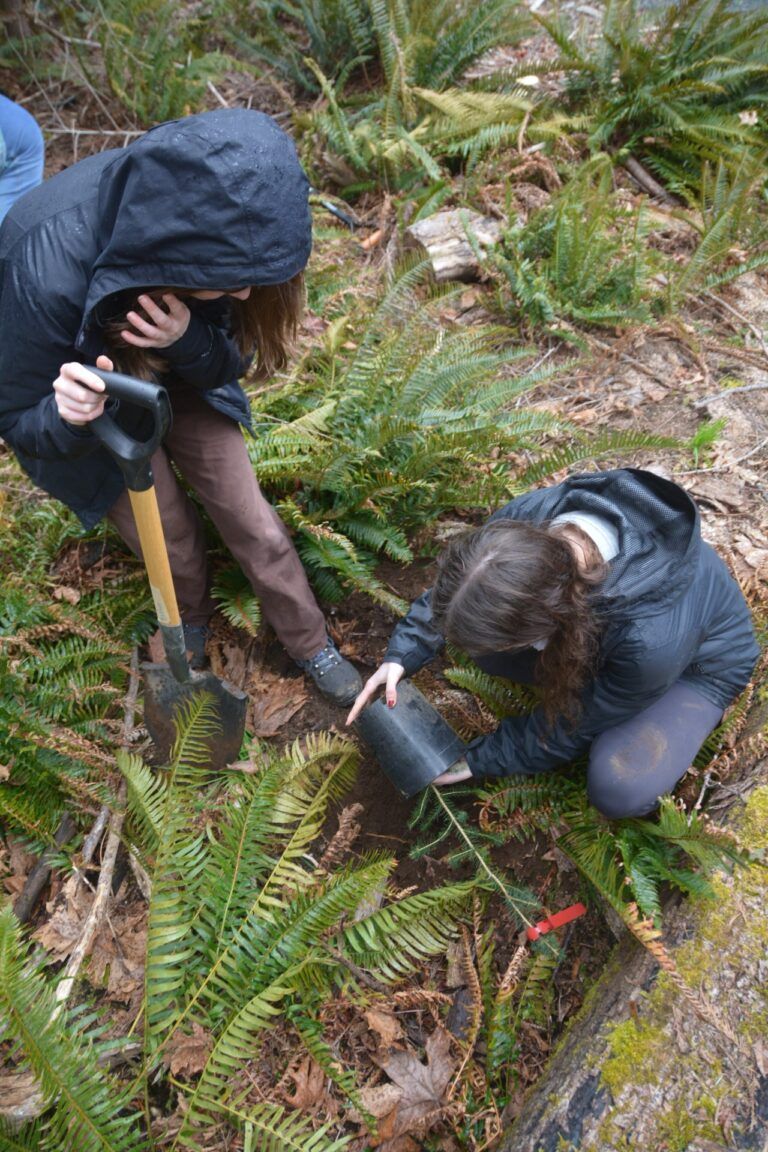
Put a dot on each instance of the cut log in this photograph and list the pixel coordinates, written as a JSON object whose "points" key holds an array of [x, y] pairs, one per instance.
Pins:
{"points": [[443, 239], [637, 1069]]}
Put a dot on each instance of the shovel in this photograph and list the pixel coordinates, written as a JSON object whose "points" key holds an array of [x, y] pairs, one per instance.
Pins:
{"points": [[168, 686]]}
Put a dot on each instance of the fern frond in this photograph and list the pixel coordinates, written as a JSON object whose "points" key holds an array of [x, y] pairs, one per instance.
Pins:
{"points": [[237, 601], [390, 942], [88, 1108]]}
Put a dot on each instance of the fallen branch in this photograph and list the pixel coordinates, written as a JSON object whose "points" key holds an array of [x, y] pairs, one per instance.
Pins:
{"points": [[648, 183], [729, 392], [114, 838]]}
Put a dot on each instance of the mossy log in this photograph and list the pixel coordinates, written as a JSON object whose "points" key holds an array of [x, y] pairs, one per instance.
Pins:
{"points": [[638, 1069], [443, 239]]}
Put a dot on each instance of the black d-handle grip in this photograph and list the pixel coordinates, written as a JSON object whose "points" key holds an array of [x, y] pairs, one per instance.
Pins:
{"points": [[133, 456]]}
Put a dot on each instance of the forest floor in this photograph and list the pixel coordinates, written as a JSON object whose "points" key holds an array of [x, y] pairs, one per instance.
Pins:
{"points": [[710, 364]]}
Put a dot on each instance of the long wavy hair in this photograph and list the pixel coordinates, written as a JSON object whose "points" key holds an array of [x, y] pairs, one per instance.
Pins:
{"points": [[264, 325], [510, 584]]}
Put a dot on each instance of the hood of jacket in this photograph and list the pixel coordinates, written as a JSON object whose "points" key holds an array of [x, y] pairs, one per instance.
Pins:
{"points": [[213, 201], [658, 528]]}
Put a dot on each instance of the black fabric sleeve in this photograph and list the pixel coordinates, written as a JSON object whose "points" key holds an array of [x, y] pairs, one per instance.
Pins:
{"points": [[206, 356], [40, 433], [415, 641]]}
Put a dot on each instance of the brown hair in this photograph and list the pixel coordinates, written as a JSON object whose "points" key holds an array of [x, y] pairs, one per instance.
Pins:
{"points": [[265, 324], [510, 584]]}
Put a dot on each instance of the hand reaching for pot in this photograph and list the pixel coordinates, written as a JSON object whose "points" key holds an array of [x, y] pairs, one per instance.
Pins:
{"points": [[389, 674]]}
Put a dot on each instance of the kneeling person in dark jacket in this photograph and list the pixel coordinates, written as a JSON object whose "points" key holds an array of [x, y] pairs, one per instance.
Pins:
{"points": [[601, 592]]}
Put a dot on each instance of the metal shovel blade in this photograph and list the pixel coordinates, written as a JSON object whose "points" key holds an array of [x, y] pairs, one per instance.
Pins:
{"points": [[163, 694]]}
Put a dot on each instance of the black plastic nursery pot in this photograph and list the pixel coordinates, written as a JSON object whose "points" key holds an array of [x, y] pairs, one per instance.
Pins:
{"points": [[412, 742]]}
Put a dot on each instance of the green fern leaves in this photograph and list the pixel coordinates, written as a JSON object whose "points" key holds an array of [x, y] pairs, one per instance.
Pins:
{"points": [[386, 438], [89, 1110]]}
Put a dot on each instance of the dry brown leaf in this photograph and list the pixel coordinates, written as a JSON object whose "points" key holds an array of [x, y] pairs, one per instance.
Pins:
{"points": [[385, 1025], [5, 771], [20, 864], [273, 701], [725, 493], [311, 1085], [423, 1086], [187, 1055], [378, 1099], [68, 910], [117, 957], [118, 950], [402, 1143], [71, 595]]}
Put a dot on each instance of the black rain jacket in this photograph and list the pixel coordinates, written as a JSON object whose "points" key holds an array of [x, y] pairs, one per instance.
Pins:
{"points": [[212, 201], [669, 610]]}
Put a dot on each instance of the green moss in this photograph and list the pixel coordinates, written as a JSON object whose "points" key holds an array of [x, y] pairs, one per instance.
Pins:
{"points": [[753, 827], [680, 1125], [635, 1055]]}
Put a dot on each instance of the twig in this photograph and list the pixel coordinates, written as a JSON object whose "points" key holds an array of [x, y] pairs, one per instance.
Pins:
{"points": [[215, 92], [94, 836], [729, 392], [631, 360], [99, 907], [521, 133], [756, 332]]}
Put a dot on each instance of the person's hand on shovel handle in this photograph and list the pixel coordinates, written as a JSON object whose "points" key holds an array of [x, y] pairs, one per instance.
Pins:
{"points": [[80, 394]]}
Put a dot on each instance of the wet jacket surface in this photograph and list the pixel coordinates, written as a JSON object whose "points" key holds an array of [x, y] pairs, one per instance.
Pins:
{"points": [[669, 610], [212, 201]]}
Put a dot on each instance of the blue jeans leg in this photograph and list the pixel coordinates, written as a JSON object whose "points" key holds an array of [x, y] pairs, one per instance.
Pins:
{"points": [[22, 153]]}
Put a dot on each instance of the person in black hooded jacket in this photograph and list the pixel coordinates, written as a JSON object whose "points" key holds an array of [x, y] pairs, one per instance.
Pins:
{"points": [[600, 591], [179, 258]]}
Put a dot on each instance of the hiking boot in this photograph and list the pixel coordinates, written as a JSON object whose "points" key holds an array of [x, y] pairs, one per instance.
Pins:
{"points": [[333, 676]]}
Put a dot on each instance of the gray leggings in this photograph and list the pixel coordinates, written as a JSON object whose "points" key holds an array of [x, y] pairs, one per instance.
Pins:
{"points": [[637, 761]]}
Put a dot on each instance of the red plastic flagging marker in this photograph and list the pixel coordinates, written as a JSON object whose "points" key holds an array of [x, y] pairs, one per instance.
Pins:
{"points": [[555, 921]]}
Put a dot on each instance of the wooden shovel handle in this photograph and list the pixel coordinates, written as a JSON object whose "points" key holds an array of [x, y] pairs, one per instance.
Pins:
{"points": [[152, 540]]}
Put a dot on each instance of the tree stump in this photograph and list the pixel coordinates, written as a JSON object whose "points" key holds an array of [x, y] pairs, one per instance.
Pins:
{"points": [[443, 239]]}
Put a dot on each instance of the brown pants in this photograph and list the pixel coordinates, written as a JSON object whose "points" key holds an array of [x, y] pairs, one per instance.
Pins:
{"points": [[210, 453]]}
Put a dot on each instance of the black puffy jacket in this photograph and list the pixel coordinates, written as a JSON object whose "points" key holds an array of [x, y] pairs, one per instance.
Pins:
{"points": [[669, 611], [212, 201]]}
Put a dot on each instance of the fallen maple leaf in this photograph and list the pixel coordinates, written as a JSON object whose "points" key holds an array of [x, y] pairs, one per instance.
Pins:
{"points": [[423, 1086], [187, 1055]]}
